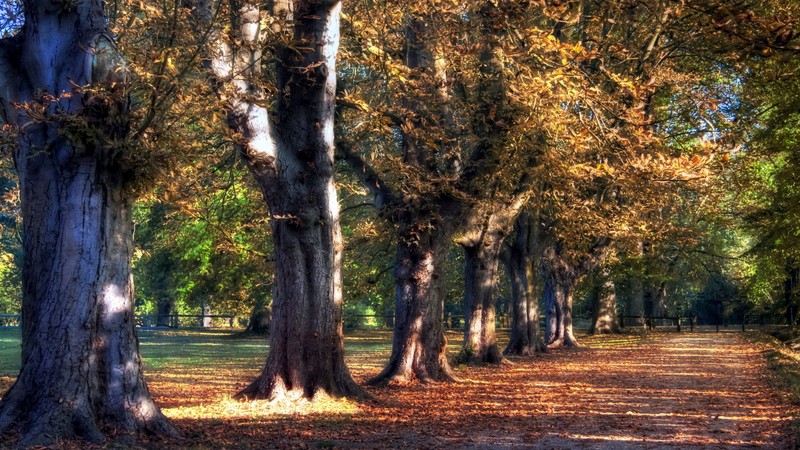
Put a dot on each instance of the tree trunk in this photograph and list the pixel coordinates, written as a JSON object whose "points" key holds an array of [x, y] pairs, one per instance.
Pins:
{"points": [[480, 277], [292, 161], [419, 344], [205, 311], [260, 318], [81, 370], [636, 300], [560, 279], [604, 307], [164, 311], [525, 337]]}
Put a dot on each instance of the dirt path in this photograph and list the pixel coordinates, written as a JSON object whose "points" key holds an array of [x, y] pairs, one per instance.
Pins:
{"points": [[673, 391], [670, 391], [679, 391]]}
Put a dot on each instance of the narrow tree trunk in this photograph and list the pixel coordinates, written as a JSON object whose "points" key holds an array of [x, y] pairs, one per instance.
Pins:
{"points": [[164, 311], [481, 261], [635, 301], [419, 344], [525, 335], [81, 370], [205, 312]]}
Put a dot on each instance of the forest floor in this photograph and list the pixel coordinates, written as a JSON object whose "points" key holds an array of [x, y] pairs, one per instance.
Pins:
{"points": [[656, 391]]}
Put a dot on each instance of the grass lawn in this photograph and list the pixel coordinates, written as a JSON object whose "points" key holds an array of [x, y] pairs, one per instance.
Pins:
{"points": [[176, 353]]}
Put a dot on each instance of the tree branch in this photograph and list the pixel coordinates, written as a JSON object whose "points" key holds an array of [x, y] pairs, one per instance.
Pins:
{"points": [[366, 174]]}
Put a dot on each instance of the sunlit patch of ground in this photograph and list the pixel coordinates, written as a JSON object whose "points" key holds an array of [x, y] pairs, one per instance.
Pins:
{"points": [[657, 391]]}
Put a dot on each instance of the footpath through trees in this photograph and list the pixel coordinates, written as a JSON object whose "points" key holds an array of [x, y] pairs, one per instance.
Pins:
{"points": [[665, 391]]}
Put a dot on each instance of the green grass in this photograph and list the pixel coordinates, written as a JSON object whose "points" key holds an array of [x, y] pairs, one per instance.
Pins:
{"points": [[9, 351], [163, 349], [166, 349]]}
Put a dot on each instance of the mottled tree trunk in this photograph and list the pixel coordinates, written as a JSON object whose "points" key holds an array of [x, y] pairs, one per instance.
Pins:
{"points": [[419, 344], [604, 307], [291, 158], [525, 335], [81, 370], [306, 345], [481, 260], [560, 280]]}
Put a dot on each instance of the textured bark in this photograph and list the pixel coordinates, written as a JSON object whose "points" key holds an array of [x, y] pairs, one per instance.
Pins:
{"points": [[604, 307], [481, 262], [419, 344], [519, 256], [559, 288], [81, 370], [292, 161], [561, 276]]}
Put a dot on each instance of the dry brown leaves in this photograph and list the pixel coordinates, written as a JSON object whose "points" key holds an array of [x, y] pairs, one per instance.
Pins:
{"points": [[673, 391], [665, 391]]}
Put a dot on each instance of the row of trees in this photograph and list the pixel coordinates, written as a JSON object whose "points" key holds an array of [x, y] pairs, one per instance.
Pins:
{"points": [[571, 140]]}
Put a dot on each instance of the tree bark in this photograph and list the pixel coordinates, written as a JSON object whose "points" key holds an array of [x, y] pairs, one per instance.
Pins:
{"points": [[291, 158], [481, 262], [525, 334], [419, 344], [560, 279], [604, 307], [81, 370]]}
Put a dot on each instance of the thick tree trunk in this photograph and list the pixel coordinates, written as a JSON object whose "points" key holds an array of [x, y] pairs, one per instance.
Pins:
{"points": [[560, 280], [604, 307], [419, 344], [558, 297], [292, 160], [306, 345], [481, 261], [81, 370], [525, 335]]}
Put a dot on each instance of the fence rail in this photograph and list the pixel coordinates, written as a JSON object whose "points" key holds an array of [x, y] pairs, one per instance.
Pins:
{"points": [[188, 320], [451, 321]]}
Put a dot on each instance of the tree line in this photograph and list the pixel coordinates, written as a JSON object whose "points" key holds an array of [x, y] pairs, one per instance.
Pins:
{"points": [[627, 149]]}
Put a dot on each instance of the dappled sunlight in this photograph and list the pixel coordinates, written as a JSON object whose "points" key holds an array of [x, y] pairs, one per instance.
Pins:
{"points": [[621, 392], [229, 408]]}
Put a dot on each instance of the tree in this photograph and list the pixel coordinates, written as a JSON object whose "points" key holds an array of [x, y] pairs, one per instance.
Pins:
{"points": [[603, 300], [71, 125], [291, 158], [521, 257]]}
